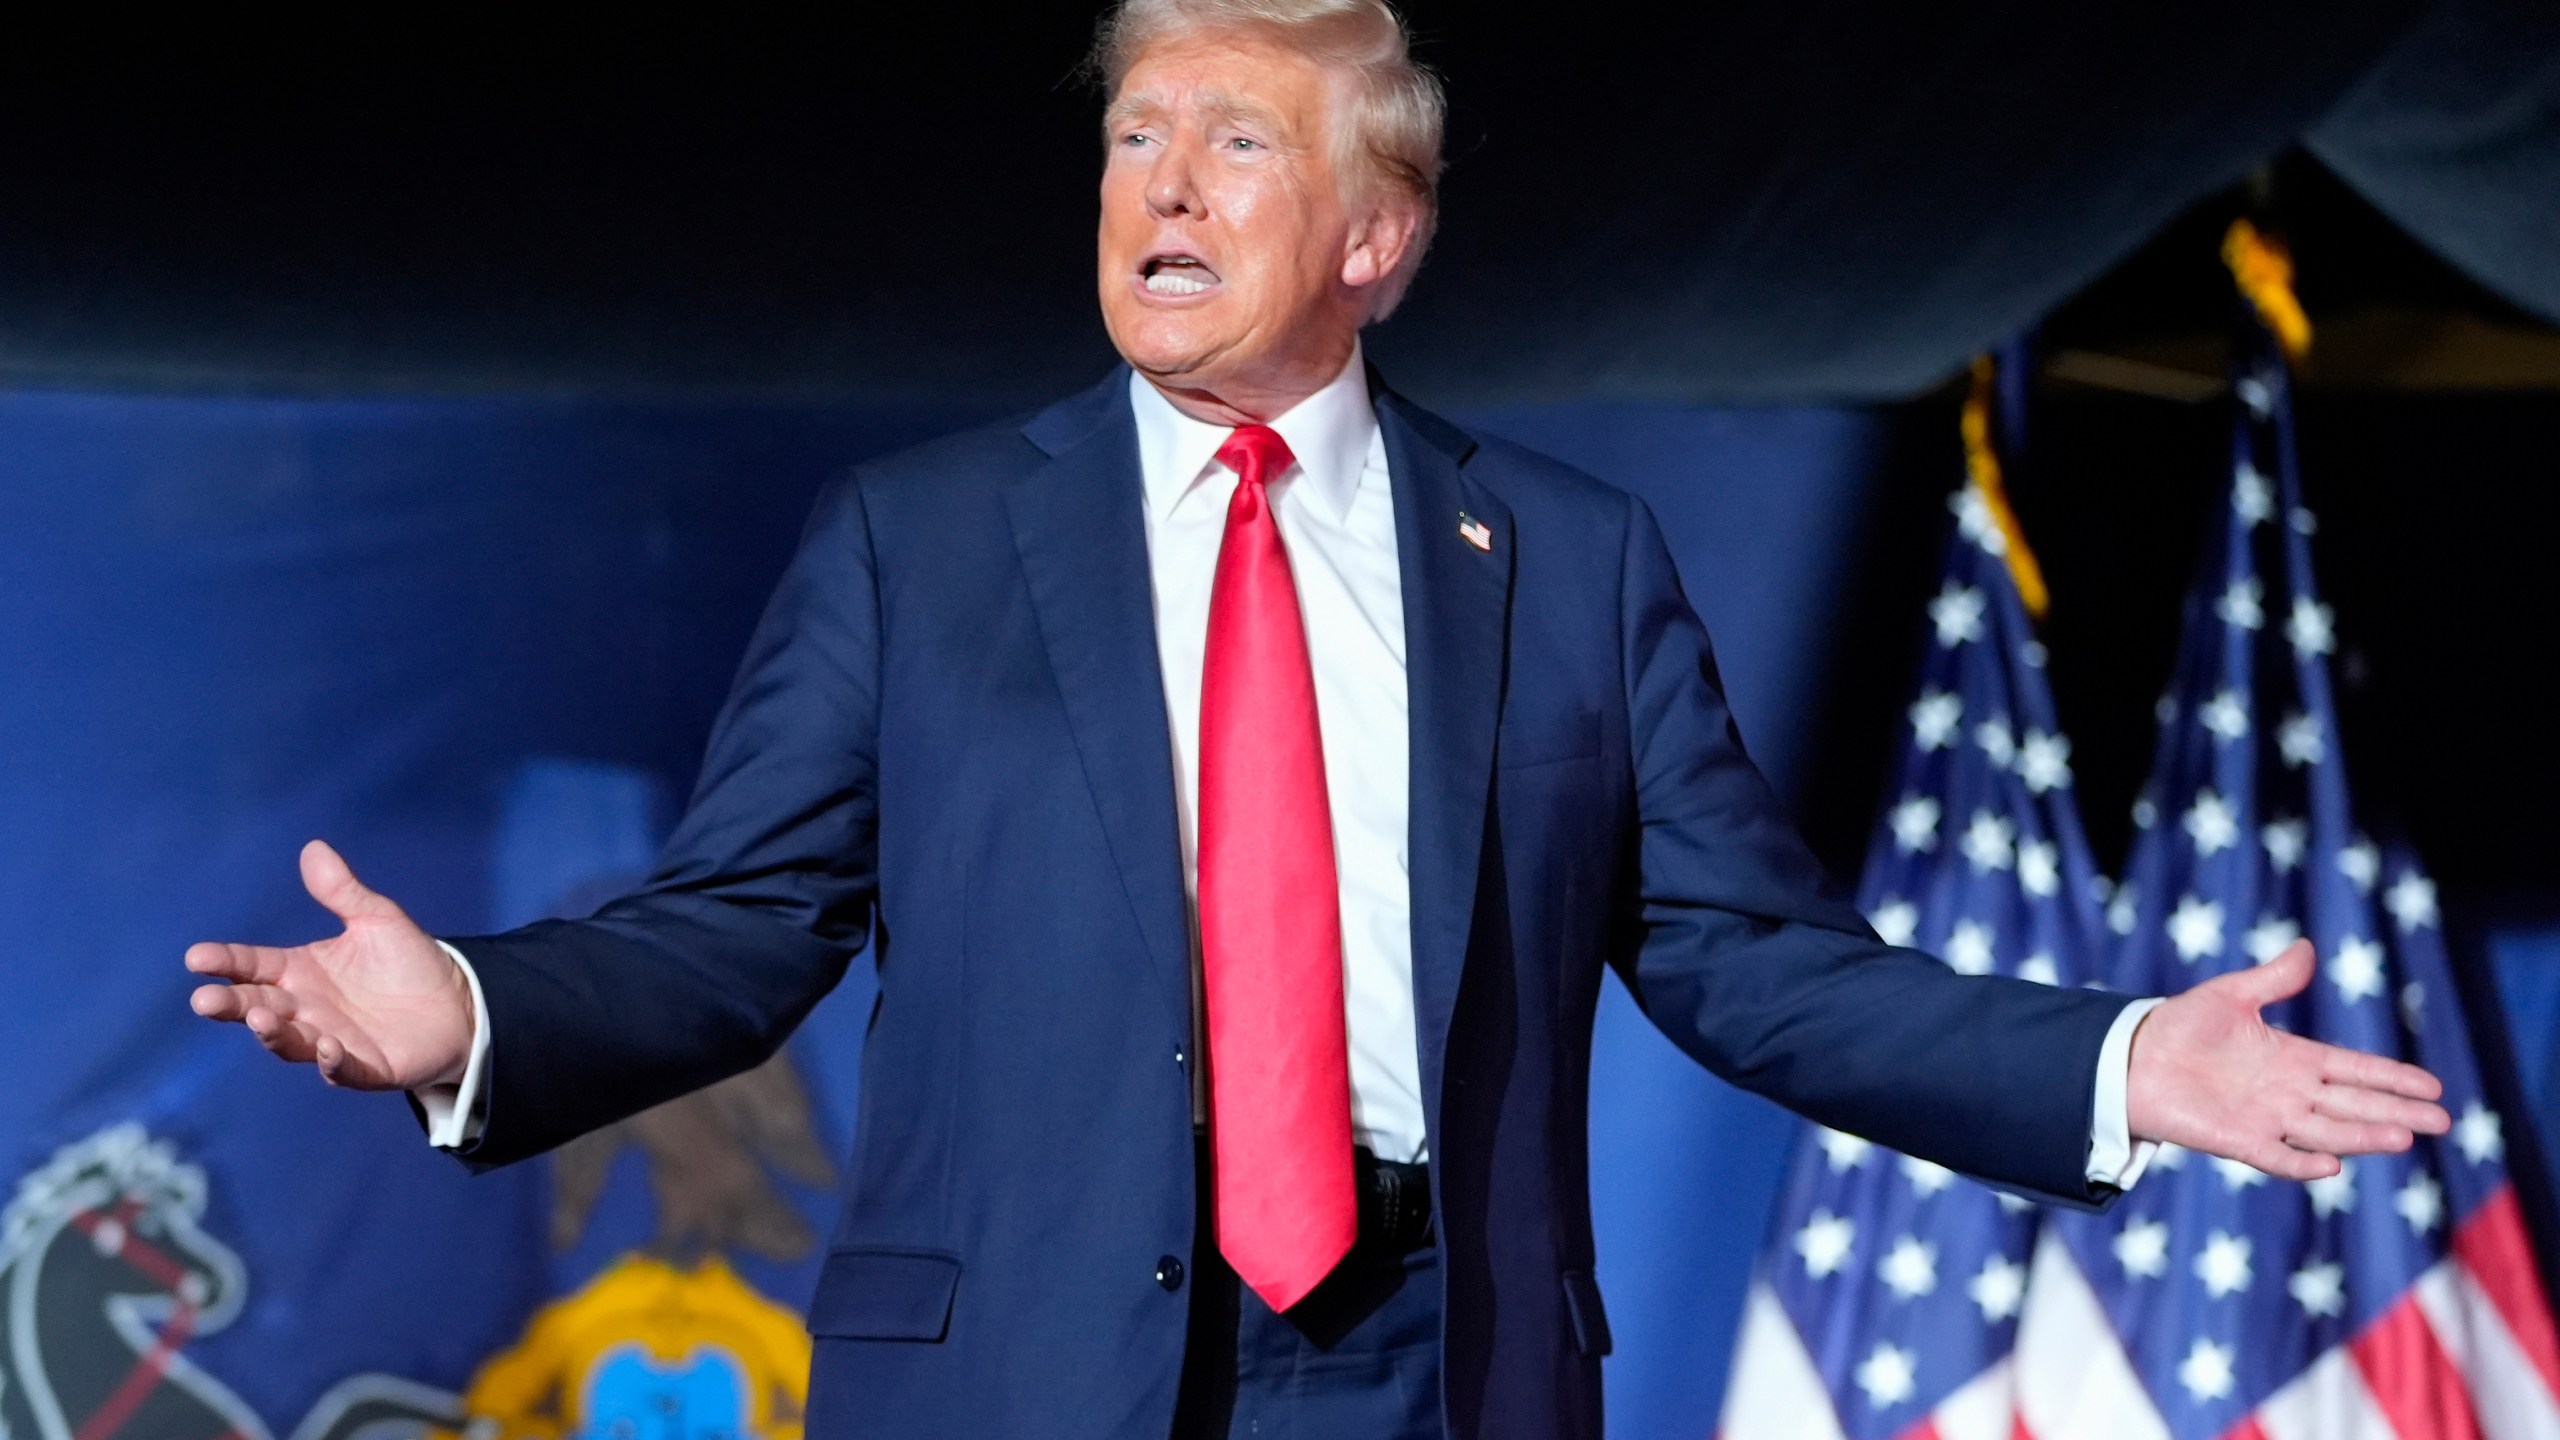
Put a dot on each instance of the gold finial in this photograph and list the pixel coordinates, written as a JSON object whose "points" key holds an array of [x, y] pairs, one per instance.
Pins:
{"points": [[1982, 473], [2263, 268]]}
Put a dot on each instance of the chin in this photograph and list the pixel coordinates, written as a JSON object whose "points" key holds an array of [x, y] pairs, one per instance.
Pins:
{"points": [[1163, 345]]}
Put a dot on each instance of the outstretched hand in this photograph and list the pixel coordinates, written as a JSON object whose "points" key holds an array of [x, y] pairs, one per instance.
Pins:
{"points": [[377, 1007], [2209, 1074]]}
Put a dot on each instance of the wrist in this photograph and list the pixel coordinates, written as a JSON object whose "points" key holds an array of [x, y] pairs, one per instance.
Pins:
{"points": [[464, 997]]}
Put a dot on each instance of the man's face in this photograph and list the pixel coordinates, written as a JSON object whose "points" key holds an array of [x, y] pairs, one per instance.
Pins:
{"points": [[1231, 266]]}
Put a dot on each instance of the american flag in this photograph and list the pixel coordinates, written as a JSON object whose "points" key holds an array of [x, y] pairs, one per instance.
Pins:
{"points": [[1888, 1300], [2399, 1298]]}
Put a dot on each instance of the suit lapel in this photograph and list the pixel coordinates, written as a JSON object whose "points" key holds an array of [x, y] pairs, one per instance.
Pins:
{"points": [[1081, 534], [1457, 603]]}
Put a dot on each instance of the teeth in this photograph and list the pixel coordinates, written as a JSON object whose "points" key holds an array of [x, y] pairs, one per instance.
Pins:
{"points": [[1166, 282]]}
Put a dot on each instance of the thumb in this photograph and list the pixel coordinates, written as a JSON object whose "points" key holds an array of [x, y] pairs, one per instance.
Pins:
{"points": [[2279, 979], [326, 876]]}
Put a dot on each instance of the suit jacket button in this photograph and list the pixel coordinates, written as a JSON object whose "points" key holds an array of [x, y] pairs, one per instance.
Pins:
{"points": [[1169, 1273]]}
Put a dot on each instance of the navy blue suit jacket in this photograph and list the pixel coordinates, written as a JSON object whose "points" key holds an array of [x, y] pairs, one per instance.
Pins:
{"points": [[948, 739]]}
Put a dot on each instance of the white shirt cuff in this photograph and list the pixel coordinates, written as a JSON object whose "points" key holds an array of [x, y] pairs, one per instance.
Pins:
{"points": [[2114, 1156], [456, 1113]]}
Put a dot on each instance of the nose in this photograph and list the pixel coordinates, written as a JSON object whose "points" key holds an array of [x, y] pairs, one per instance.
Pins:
{"points": [[1172, 184]]}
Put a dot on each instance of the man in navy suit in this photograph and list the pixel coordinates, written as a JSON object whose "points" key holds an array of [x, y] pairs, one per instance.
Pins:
{"points": [[1241, 778]]}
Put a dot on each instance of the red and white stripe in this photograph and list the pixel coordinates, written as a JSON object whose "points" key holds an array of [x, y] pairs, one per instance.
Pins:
{"points": [[2469, 1353], [1777, 1394]]}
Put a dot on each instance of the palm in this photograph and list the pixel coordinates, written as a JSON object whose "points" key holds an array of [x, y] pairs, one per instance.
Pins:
{"points": [[378, 1007], [2210, 1074]]}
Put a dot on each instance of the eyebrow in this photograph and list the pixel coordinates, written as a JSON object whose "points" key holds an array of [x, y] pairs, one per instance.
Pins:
{"points": [[1228, 107]]}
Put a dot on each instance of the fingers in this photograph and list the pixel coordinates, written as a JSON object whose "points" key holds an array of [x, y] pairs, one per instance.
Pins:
{"points": [[2286, 1162], [271, 1014], [2279, 979], [326, 875], [2328, 1136], [332, 1059], [284, 1038], [238, 963], [2374, 1072], [2375, 1107]]}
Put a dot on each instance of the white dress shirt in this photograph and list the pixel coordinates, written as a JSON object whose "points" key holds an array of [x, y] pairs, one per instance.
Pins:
{"points": [[1337, 517], [1335, 507]]}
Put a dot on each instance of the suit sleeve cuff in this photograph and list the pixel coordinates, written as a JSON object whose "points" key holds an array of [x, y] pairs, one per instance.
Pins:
{"points": [[455, 1114], [2115, 1158]]}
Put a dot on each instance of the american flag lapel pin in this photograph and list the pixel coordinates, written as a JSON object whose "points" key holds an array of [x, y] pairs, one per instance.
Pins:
{"points": [[1475, 532]]}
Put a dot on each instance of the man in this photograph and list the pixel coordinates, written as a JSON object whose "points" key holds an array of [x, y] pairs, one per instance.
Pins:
{"points": [[1242, 777]]}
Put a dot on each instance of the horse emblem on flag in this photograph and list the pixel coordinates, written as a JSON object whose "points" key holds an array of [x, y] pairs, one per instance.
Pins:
{"points": [[107, 1273]]}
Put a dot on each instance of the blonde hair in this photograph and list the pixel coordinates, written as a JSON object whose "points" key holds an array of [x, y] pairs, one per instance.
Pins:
{"points": [[1397, 110]]}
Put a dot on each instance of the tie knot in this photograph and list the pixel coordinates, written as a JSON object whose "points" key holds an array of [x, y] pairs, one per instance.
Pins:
{"points": [[1256, 453]]}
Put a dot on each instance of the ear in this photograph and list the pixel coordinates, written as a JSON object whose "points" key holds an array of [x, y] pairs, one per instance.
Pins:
{"points": [[1379, 241]]}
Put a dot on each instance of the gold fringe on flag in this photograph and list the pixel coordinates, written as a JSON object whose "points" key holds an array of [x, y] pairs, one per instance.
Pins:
{"points": [[1982, 473], [2264, 270]]}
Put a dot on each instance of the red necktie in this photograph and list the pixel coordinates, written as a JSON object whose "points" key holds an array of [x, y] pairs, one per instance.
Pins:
{"points": [[1270, 917]]}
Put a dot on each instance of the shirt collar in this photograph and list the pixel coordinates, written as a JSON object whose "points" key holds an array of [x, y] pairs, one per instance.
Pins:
{"points": [[1329, 433]]}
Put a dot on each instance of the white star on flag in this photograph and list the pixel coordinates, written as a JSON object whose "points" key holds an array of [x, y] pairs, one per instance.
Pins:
{"points": [[2266, 939], [2313, 629], [1926, 1177], [2211, 825], [1999, 1288], [2236, 1175], [1957, 612], [1910, 1268], [2285, 841], [2478, 1136], [2142, 1248], [2044, 762], [2301, 740], [2252, 499], [2243, 605], [1915, 824], [2145, 814], [2413, 1005], [2223, 1264], [2420, 1202], [2320, 1289], [1998, 745], [2225, 716], [1896, 921], [2039, 868], [2124, 911], [1969, 949], [2411, 901], [2356, 969], [1989, 842], [1974, 522], [1844, 1150], [1824, 1243], [2041, 969], [2196, 929], [2360, 863], [2206, 1372], [2331, 1194], [1887, 1375], [1934, 717]]}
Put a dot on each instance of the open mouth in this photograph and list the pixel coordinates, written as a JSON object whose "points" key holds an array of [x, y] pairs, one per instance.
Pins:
{"points": [[1175, 275]]}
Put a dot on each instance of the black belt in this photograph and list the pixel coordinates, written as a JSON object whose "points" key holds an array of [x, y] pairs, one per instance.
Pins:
{"points": [[1395, 1203]]}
